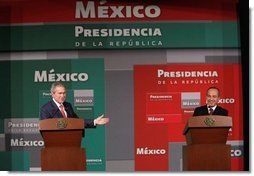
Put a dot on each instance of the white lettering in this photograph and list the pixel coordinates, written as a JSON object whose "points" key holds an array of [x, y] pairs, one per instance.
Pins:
{"points": [[103, 11], [149, 9], [81, 12], [117, 12], [39, 77], [186, 74], [21, 143], [43, 76], [147, 151], [155, 119], [139, 32], [227, 100], [236, 153]]}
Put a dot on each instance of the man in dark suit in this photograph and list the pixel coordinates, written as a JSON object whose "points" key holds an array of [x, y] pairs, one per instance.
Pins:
{"points": [[211, 107], [58, 108]]}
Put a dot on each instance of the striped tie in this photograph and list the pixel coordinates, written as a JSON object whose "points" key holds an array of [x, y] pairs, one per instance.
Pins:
{"points": [[210, 111]]}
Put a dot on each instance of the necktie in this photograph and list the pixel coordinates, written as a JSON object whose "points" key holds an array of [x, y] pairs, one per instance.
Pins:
{"points": [[62, 111], [210, 111]]}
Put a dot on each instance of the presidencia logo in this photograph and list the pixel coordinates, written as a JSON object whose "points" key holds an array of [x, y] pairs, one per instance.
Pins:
{"points": [[84, 97], [190, 99]]}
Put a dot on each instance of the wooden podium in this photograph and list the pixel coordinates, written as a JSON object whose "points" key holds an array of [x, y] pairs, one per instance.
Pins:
{"points": [[206, 149], [62, 140]]}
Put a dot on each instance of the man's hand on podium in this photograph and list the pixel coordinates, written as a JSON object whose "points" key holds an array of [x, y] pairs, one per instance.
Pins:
{"points": [[101, 120]]}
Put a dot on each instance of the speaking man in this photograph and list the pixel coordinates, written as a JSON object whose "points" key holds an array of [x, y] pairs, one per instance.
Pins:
{"points": [[59, 108], [211, 107]]}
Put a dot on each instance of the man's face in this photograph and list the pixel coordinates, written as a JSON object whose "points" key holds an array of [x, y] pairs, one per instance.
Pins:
{"points": [[59, 94], [212, 97]]}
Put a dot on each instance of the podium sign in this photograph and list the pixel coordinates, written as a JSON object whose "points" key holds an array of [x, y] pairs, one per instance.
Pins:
{"points": [[206, 149]]}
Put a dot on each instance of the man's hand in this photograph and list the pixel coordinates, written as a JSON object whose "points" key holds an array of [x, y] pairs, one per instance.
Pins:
{"points": [[101, 120]]}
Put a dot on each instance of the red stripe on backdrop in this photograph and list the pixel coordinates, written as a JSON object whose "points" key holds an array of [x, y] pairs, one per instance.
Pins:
{"points": [[30, 11], [148, 137]]}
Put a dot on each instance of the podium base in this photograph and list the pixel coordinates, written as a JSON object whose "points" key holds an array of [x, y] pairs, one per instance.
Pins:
{"points": [[63, 159], [207, 157]]}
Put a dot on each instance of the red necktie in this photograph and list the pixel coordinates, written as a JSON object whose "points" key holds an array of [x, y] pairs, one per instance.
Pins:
{"points": [[62, 111], [210, 111]]}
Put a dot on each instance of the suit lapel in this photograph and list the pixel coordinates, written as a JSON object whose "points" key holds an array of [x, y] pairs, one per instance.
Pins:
{"points": [[216, 111], [206, 110], [67, 109], [55, 111]]}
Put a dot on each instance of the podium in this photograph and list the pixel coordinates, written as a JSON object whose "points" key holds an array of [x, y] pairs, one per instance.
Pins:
{"points": [[62, 141], [206, 149]]}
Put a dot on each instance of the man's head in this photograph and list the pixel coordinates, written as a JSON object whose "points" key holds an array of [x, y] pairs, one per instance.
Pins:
{"points": [[58, 92], [212, 96]]}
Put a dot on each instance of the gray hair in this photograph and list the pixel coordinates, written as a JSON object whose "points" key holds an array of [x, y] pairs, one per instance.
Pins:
{"points": [[56, 84]]}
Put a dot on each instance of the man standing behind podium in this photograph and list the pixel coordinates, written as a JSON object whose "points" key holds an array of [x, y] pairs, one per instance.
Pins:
{"points": [[59, 108], [211, 107]]}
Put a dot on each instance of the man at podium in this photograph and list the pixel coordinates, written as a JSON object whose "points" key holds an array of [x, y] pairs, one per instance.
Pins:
{"points": [[211, 107], [59, 108]]}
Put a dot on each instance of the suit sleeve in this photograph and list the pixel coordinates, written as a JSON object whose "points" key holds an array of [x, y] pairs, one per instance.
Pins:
{"points": [[89, 123], [44, 114], [226, 112], [195, 112], [71, 112]]}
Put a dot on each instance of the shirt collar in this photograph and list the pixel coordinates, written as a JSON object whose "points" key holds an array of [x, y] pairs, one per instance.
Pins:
{"points": [[56, 103], [214, 107]]}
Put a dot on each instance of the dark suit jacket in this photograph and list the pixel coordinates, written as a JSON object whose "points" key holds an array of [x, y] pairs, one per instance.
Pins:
{"points": [[202, 110], [50, 110]]}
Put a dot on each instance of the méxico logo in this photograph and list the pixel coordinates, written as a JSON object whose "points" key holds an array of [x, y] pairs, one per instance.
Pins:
{"points": [[51, 76], [190, 99], [91, 10], [84, 97]]}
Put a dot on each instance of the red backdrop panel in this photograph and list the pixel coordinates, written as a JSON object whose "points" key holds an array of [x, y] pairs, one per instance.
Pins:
{"points": [[166, 96]]}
